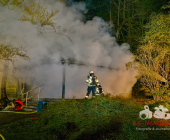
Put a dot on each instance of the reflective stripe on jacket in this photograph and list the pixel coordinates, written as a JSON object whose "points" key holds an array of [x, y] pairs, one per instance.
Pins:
{"points": [[92, 81]]}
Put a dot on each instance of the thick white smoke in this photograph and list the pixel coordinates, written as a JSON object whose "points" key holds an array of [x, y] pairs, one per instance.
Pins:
{"points": [[88, 42]]}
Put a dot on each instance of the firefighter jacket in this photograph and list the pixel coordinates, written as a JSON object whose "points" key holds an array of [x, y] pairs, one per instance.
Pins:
{"points": [[92, 80]]}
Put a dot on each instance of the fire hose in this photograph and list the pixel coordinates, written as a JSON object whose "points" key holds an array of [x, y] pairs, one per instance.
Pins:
{"points": [[20, 112], [2, 137]]}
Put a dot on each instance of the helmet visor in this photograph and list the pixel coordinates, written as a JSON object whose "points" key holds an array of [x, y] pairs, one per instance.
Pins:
{"points": [[91, 74]]}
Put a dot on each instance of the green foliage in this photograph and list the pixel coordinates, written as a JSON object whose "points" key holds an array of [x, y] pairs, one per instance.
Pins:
{"points": [[158, 29], [129, 128], [82, 116], [4, 2], [152, 57], [34, 11], [8, 53], [100, 118], [11, 2], [162, 90]]}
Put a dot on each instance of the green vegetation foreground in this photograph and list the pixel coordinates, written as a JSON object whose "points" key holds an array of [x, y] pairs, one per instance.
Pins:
{"points": [[100, 118]]}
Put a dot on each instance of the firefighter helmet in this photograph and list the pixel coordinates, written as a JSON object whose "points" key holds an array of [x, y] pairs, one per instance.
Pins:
{"points": [[91, 72]]}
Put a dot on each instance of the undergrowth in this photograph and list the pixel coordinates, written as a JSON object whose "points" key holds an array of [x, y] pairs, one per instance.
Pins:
{"points": [[102, 118]]}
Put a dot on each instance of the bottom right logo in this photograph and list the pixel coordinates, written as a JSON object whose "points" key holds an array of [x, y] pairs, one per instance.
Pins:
{"points": [[160, 113]]}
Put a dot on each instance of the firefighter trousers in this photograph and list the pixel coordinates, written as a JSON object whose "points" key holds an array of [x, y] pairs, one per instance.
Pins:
{"points": [[89, 89]]}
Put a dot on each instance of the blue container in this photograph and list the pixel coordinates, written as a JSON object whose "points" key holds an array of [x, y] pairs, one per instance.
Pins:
{"points": [[40, 106]]}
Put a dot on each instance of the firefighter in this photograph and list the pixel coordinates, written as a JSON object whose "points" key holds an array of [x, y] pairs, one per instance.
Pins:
{"points": [[99, 90], [92, 82], [15, 104]]}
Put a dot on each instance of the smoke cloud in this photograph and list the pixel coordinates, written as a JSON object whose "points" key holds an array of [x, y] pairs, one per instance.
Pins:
{"points": [[88, 42]]}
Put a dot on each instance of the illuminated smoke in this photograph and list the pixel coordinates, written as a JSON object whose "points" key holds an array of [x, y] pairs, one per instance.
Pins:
{"points": [[88, 42]]}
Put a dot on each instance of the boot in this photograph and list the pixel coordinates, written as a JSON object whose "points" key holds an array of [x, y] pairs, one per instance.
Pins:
{"points": [[86, 97], [94, 97]]}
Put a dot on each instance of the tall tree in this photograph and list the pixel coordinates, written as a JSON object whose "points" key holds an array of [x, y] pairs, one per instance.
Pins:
{"points": [[152, 59]]}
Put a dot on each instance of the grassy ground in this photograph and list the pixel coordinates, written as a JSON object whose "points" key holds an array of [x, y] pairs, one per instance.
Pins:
{"points": [[103, 118], [6, 118]]}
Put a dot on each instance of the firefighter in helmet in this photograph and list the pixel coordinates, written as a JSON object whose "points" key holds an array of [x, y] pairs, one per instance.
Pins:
{"points": [[99, 90], [15, 105], [92, 82]]}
